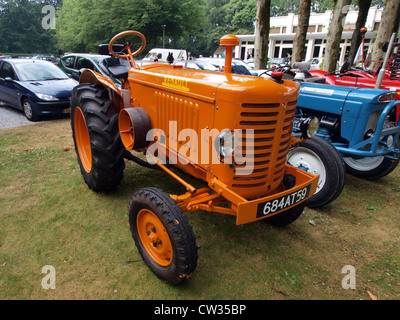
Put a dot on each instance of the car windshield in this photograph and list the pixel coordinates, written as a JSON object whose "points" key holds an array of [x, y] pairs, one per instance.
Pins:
{"points": [[206, 66], [39, 72], [99, 59]]}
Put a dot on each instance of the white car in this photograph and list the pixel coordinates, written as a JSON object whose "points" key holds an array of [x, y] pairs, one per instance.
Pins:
{"points": [[315, 63]]}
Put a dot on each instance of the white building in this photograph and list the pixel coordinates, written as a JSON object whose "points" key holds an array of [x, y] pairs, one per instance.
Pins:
{"points": [[283, 31]]}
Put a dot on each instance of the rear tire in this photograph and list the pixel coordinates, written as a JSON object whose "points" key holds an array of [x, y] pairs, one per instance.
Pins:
{"points": [[162, 235], [94, 122], [318, 156], [370, 168]]}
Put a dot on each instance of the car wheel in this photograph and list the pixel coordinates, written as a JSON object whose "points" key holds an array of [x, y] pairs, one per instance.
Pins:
{"points": [[163, 235], [29, 111], [317, 156]]}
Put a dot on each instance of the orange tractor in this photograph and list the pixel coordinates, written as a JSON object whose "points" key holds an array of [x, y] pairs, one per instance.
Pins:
{"points": [[230, 132]]}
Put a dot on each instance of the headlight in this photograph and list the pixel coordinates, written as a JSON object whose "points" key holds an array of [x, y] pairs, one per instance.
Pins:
{"points": [[226, 143], [309, 127], [388, 97], [46, 97], [390, 141]]}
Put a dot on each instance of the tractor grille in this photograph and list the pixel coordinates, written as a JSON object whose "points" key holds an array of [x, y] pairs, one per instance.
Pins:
{"points": [[272, 124]]}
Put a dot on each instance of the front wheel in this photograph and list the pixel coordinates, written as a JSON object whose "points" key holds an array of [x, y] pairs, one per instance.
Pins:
{"points": [[29, 110], [162, 234], [286, 217], [319, 157]]}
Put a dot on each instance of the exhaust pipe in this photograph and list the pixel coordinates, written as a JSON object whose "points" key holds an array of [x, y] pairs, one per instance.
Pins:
{"points": [[229, 42]]}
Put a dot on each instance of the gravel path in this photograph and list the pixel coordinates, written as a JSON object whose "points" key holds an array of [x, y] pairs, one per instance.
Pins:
{"points": [[11, 118]]}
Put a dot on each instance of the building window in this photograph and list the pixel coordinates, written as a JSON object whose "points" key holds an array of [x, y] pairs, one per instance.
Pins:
{"points": [[276, 52], [311, 29], [286, 52], [317, 49], [275, 30]]}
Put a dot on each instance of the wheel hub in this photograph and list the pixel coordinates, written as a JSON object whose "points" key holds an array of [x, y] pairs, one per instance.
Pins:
{"points": [[154, 237]]}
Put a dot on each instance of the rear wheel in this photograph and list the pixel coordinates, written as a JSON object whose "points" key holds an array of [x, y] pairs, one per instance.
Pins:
{"points": [[370, 168], [317, 156], [94, 121], [162, 235]]}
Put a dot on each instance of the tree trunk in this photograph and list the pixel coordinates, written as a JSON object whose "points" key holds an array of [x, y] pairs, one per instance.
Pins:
{"points": [[335, 34], [262, 34], [363, 9], [388, 21], [299, 43]]}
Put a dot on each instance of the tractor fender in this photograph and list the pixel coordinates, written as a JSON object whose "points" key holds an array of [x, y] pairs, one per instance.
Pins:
{"points": [[90, 76]]}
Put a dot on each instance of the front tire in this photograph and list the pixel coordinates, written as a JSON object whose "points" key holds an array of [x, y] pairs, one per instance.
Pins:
{"points": [[286, 217], [318, 156], [162, 235], [94, 122], [29, 110]]}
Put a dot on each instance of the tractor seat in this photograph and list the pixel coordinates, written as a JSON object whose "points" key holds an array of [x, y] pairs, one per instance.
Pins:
{"points": [[115, 67]]}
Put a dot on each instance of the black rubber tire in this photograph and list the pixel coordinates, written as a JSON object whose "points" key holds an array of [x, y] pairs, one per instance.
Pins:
{"points": [[333, 175], [383, 169], [30, 114], [106, 147], [286, 217], [179, 231]]}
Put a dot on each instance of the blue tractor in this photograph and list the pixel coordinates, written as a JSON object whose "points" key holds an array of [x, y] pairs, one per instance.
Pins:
{"points": [[362, 124]]}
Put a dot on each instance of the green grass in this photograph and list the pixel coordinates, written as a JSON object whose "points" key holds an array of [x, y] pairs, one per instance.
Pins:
{"points": [[48, 216]]}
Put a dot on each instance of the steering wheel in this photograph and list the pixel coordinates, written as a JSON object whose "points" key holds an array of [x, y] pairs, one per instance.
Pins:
{"points": [[127, 46]]}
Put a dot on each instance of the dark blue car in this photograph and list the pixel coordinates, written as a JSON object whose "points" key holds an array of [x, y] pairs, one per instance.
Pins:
{"points": [[36, 87]]}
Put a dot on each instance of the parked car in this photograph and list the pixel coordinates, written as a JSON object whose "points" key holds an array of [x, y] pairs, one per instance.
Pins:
{"points": [[73, 63], [162, 54], [315, 63], [196, 64], [47, 58], [250, 62], [243, 68], [34, 86], [277, 62]]}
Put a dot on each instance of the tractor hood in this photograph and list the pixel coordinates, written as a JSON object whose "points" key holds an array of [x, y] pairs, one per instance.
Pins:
{"points": [[333, 99], [212, 86]]}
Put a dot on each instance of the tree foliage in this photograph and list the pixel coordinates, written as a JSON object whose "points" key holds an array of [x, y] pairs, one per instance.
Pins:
{"points": [[196, 25], [83, 24], [21, 27]]}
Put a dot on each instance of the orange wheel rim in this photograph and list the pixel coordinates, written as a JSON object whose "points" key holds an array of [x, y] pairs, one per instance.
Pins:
{"points": [[82, 140], [154, 237]]}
